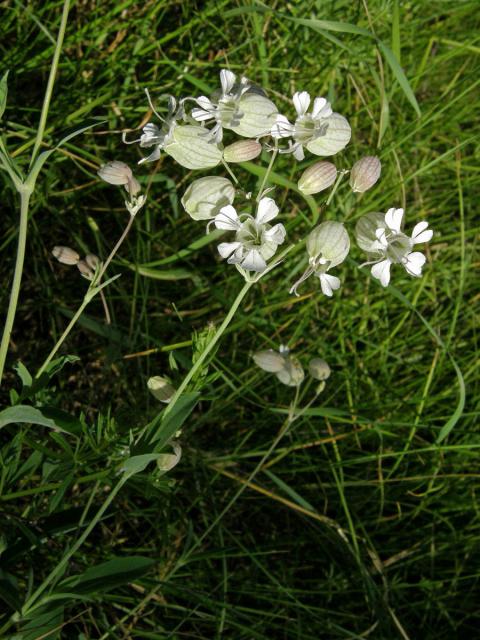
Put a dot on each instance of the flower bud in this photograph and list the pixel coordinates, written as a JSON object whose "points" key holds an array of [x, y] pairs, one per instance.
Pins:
{"points": [[206, 196], [242, 151], [269, 360], [365, 173], [85, 270], [133, 186], [65, 255], [319, 369], [192, 148], [161, 389], [292, 373], [257, 115], [365, 230], [329, 242], [166, 461], [116, 172], [318, 177], [93, 261], [336, 137]]}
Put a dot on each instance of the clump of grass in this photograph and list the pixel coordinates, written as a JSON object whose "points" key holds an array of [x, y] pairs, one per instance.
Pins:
{"points": [[359, 524]]}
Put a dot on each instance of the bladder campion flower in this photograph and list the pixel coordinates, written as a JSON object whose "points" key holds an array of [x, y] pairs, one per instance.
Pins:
{"points": [[365, 173], [321, 131], [256, 241], [327, 246], [206, 196], [381, 236], [238, 106]]}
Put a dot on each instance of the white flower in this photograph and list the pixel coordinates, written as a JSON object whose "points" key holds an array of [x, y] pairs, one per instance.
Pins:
{"points": [[119, 173], [309, 128], [327, 246], [159, 137], [256, 241], [392, 246], [237, 106], [286, 367]]}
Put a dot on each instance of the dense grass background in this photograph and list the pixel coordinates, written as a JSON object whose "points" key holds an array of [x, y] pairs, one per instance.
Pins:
{"points": [[359, 525]]}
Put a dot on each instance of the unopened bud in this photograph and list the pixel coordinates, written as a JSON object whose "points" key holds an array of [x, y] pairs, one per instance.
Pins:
{"points": [[318, 177], [206, 196], [116, 172], [269, 360], [292, 373], [85, 270], [365, 173], [319, 369], [93, 261], [329, 243], [192, 148], [65, 255], [242, 151], [336, 136], [161, 389]]}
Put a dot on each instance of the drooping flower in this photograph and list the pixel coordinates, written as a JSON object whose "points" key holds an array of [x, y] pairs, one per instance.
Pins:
{"points": [[286, 367], [119, 173], [321, 131], [327, 246], [159, 136], [381, 236], [206, 196], [256, 241], [238, 106], [365, 173]]}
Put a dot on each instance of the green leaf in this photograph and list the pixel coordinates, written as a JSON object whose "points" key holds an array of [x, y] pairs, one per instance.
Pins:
{"points": [[108, 575], [331, 25], [162, 274], [43, 157], [33, 386], [9, 592], [46, 417], [3, 93], [137, 464], [172, 421], [45, 623], [399, 75], [23, 373]]}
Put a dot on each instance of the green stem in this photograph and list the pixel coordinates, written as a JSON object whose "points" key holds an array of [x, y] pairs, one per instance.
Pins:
{"points": [[64, 335], [17, 277], [51, 80], [335, 187], [60, 567], [267, 172], [208, 349]]}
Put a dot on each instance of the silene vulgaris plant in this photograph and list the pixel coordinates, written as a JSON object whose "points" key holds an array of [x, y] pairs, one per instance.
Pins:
{"points": [[222, 134]]}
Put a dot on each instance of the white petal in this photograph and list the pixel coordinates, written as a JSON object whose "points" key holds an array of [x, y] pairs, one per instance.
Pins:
{"points": [[237, 256], [253, 261], [200, 115], [298, 153], [227, 218], [275, 234], [321, 108], [282, 127], [225, 249], [393, 219], [381, 238], [381, 271], [205, 103], [421, 233], [267, 210], [227, 80], [414, 262], [329, 284], [301, 102], [155, 155]]}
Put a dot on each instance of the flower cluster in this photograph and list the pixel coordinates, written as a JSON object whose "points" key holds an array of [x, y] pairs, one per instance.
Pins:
{"points": [[194, 131], [288, 368]]}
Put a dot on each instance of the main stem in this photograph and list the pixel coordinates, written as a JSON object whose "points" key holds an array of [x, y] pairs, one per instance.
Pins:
{"points": [[17, 277], [64, 335], [208, 349], [51, 81], [60, 567]]}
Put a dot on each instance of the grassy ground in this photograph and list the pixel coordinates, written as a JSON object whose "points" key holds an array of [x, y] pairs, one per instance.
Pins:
{"points": [[358, 525]]}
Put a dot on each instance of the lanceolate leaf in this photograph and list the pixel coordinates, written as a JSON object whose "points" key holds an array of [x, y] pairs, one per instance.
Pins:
{"points": [[3, 93]]}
